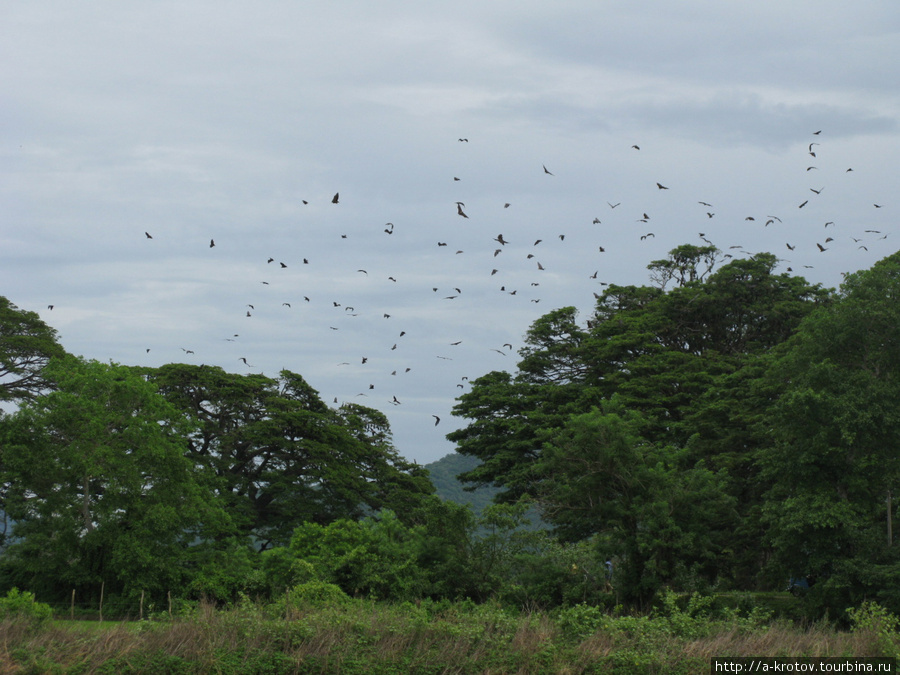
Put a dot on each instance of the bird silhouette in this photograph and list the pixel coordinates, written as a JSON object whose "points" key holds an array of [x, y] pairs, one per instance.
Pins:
{"points": [[334, 200], [459, 210], [437, 420], [212, 243], [661, 186], [546, 171]]}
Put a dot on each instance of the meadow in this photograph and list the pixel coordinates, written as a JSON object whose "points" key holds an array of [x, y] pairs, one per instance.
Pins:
{"points": [[326, 632]]}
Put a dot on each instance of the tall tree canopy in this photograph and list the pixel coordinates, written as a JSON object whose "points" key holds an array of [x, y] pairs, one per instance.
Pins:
{"points": [[26, 345], [834, 464], [97, 482], [664, 355], [281, 457]]}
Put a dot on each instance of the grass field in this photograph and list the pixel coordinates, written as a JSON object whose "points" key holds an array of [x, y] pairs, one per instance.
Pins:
{"points": [[358, 636]]}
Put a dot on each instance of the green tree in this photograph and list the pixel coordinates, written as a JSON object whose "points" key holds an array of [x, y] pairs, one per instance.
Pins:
{"points": [[26, 345], [833, 465], [281, 457], [684, 359], [99, 487], [656, 521], [376, 557]]}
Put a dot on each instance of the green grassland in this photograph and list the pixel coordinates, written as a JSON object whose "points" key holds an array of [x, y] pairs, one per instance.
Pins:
{"points": [[323, 631]]}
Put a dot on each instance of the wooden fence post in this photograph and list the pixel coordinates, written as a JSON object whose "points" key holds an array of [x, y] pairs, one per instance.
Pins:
{"points": [[169, 594], [102, 586], [72, 606], [141, 618]]}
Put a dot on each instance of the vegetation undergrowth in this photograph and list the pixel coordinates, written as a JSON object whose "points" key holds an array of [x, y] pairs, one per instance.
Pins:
{"points": [[309, 633]]}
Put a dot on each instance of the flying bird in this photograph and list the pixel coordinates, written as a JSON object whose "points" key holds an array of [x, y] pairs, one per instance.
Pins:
{"points": [[212, 243], [437, 420], [546, 171], [459, 210], [148, 235], [661, 186], [334, 200], [499, 238]]}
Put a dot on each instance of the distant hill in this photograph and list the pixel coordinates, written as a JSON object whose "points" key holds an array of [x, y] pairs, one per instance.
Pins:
{"points": [[443, 474]]}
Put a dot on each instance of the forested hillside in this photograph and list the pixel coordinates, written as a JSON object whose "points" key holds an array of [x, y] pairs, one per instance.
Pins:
{"points": [[724, 427], [444, 476]]}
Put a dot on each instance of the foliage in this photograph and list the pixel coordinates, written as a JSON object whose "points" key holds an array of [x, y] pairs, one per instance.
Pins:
{"points": [[280, 457], [832, 466], [651, 517], [22, 605], [374, 557], [26, 345], [360, 636], [99, 487], [678, 365], [873, 618], [315, 594]]}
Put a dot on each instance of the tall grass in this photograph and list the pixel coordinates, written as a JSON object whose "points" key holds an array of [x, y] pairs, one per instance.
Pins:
{"points": [[357, 636]]}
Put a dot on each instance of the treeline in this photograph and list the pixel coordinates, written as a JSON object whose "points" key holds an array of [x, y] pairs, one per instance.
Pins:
{"points": [[726, 427], [190, 482]]}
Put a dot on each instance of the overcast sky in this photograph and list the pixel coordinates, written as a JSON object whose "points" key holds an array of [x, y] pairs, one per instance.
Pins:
{"points": [[238, 122]]}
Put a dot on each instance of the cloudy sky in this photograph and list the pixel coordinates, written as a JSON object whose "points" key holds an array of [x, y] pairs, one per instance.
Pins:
{"points": [[238, 122]]}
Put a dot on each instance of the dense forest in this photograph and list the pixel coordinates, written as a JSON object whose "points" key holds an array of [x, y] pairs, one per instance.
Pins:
{"points": [[724, 427]]}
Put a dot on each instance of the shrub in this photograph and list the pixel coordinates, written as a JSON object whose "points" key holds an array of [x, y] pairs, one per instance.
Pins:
{"points": [[880, 623], [22, 605]]}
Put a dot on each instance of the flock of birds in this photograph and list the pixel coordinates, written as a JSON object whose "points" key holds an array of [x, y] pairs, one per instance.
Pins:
{"points": [[512, 262]]}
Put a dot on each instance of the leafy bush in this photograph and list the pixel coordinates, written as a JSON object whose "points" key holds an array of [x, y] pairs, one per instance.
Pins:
{"points": [[316, 594], [885, 627], [22, 605], [581, 620]]}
